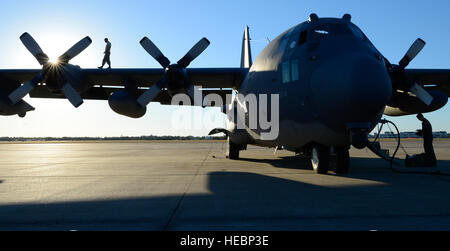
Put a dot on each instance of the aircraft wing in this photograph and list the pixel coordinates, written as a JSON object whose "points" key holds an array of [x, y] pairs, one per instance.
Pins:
{"points": [[104, 82], [11, 79], [431, 79]]}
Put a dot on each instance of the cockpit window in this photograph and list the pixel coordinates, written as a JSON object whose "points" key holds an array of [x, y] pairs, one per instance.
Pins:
{"points": [[303, 37]]}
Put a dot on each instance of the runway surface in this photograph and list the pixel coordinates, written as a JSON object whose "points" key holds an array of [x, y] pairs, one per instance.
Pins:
{"points": [[191, 186]]}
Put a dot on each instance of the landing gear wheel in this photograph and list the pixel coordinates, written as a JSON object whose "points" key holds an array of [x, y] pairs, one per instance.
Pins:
{"points": [[342, 164], [233, 150], [320, 159]]}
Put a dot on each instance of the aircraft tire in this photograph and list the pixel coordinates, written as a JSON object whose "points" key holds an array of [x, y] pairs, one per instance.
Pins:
{"points": [[233, 150], [342, 161], [320, 159]]}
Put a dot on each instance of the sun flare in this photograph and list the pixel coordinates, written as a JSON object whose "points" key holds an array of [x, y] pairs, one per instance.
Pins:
{"points": [[53, 60]]}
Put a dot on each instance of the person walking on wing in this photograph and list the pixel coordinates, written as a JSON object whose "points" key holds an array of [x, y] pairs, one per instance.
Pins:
{"points": [[107, 58]]}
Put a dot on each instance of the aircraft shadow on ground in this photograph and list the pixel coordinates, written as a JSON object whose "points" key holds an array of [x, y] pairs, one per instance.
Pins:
{"points": [[300, 163], [290, 162], [237, 201], [358, 165]]}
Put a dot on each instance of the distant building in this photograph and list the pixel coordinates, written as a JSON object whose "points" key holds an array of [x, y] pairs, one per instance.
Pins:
{"points": [[440, 135], [410, 135], [388, 135]]}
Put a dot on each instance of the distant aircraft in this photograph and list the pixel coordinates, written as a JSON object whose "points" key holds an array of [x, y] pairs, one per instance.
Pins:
{"points": [[334, 87]]}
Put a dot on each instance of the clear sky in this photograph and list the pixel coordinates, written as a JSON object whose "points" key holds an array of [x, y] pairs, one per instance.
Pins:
{"points": [[175, 26]]}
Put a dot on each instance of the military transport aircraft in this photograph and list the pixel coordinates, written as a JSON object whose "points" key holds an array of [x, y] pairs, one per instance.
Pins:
{"points": [[333, 84]]}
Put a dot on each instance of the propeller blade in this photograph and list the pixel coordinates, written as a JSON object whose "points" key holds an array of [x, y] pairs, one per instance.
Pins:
{"points": [[152, 93], [422, 94], [415, 49], [34, 48], [72, 95], [17, 95], [151, 48], [198, 49], [198, 101], [75, 50]]}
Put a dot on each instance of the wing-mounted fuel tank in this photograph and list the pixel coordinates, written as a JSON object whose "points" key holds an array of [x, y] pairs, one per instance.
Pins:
{"points": [[405, 103], [124, 102], [7, 108]]}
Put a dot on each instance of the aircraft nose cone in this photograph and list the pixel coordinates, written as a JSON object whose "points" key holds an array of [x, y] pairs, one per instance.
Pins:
{"points": [[350, 89]]}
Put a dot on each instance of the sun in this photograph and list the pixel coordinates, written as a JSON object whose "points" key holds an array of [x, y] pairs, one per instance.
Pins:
{"points": [[53, 60]]}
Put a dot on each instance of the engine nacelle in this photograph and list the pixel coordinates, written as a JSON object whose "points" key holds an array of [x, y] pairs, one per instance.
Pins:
{"points": [[124, 103], [404, 104], [59, 74]]}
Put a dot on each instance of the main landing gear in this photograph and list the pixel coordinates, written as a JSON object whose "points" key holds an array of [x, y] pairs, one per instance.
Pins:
{"points": [[323, 159]]}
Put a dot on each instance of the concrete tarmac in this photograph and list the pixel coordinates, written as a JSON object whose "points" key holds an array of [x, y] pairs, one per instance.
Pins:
{"points": [[191, 186]]}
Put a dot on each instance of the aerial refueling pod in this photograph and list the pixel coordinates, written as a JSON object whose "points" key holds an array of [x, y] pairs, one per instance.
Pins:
{"points": [[402, 104], [8, 109], [124, 103]]}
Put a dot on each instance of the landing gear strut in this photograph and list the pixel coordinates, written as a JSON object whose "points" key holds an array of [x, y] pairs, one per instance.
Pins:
{"points": [[320, 159]]}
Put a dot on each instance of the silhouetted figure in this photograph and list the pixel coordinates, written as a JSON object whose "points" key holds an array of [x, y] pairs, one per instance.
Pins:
{"points": [[429, 157], [107, 58], [427, 133]]}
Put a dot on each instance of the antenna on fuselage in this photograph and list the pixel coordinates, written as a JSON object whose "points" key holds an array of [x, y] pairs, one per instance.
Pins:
{"points": [[347, 17], [313, 18], [246, 56]]}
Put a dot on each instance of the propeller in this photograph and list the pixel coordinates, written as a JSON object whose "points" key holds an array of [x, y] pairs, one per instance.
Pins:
{"points": [[415, 88], [66, 88], [412, 53], [175, 76]]}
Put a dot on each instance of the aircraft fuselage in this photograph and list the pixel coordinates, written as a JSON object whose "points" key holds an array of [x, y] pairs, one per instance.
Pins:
{"points": [[330, 79]]}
